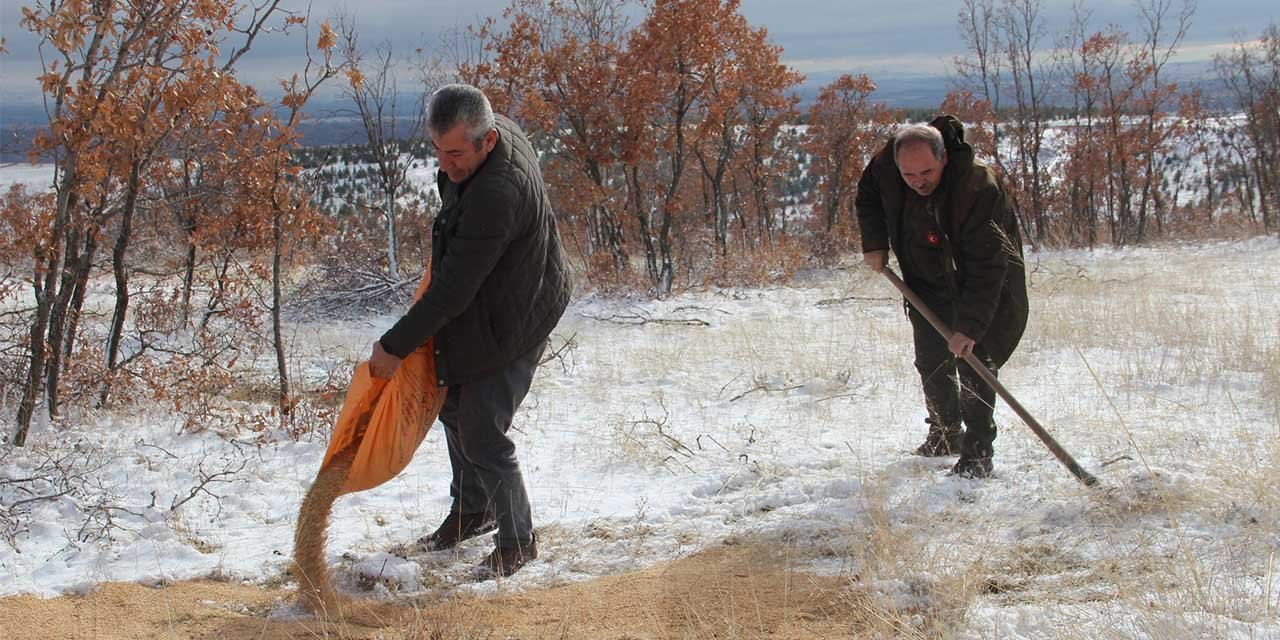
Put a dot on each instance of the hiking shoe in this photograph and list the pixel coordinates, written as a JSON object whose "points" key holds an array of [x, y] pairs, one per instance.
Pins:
{"points": [[456, 528], [941, 441], [506, 560], [967, 467]]}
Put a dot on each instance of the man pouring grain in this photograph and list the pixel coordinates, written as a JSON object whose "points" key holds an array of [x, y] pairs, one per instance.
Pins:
{"points": [[499, 284]]}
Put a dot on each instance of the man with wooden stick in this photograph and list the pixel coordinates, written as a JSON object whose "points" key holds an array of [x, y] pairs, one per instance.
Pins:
{"points": [[499, 284], [948, 222]]}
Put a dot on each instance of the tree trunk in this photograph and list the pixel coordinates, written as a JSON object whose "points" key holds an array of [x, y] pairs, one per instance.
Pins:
{"points": [[72, 312], [132, 191], [77, 296], [118, 255], [58, 321], [277, 332], [666, 278], [608, 228], [393, 268], [56, 248], [713, 178], [215, 298], [188, 280], [36, 366], [642, 218]]}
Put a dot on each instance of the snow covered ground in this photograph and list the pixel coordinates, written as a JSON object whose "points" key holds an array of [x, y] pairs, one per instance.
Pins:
{"points": [[37, 177], [785, 415]]}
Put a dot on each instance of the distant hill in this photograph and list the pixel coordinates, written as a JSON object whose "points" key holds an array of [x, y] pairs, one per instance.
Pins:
{"points": [[927, 92], [331, 124]]}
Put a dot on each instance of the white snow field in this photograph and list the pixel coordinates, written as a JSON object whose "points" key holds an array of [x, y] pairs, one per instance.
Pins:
{"points": [[785, 415]]}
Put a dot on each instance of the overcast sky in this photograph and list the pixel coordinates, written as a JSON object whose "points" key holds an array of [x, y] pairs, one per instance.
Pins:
{"points": [[819, 37]]}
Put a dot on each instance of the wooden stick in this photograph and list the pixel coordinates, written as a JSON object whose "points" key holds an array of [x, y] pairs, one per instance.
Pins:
{"points": [[990, 378]]}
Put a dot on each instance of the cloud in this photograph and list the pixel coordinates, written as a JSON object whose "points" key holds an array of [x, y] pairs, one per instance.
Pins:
{"points": [[903, 38], [910, 65], [1206, 51]]}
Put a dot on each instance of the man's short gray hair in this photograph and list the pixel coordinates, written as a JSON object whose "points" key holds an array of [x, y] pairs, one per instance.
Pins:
{"points": [[455, 104], [911, 133]]}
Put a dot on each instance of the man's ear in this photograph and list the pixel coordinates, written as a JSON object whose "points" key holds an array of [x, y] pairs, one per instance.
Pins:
{"points": [[490, 140], [944, 158]]}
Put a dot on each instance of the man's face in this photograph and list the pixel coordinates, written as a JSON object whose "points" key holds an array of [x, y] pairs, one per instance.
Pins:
{"points": [[921, 171], [459, 155]]}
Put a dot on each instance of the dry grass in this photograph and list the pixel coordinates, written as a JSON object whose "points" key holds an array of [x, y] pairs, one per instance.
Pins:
{"points": [[909, 584], [1178, 358], [1182, 541], [733, 592], [739, 591], [1185, 408]]}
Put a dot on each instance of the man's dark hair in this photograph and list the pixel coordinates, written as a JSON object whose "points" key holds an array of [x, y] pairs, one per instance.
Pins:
{"points": [[456, 104]]}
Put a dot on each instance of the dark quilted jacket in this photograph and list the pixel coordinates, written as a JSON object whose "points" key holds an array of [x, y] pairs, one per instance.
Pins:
{"points": [[988, 292], [499, 278]]}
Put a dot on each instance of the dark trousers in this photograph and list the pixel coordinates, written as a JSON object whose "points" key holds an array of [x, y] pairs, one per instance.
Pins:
{"points": [[953, 390], [486, 475]]}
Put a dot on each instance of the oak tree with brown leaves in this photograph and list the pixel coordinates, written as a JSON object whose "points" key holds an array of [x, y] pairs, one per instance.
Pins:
{"points": [[845, 130], [126, 84]]}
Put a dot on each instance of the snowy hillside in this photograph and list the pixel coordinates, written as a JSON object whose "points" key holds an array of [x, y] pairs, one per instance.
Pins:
{"points": [[784, 416]]}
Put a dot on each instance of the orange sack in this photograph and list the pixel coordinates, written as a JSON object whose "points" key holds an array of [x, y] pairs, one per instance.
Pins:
{"points": [[384, 421]]}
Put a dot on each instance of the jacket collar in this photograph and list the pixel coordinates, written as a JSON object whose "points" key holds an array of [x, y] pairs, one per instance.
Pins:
{"points": [[959, 152]]}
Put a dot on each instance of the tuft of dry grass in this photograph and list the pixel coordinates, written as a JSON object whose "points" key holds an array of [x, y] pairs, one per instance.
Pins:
{"points": [[750, 589], [905, 583]]}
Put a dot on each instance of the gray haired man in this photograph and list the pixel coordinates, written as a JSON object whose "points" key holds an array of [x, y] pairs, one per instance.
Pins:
{"points": [[948, 221], [499, 284]]}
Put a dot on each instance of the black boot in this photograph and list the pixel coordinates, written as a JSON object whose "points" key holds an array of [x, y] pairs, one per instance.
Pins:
{"points": [[456, 528], [975, 454], [975, 467], [941, 441], [505, 560]]}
